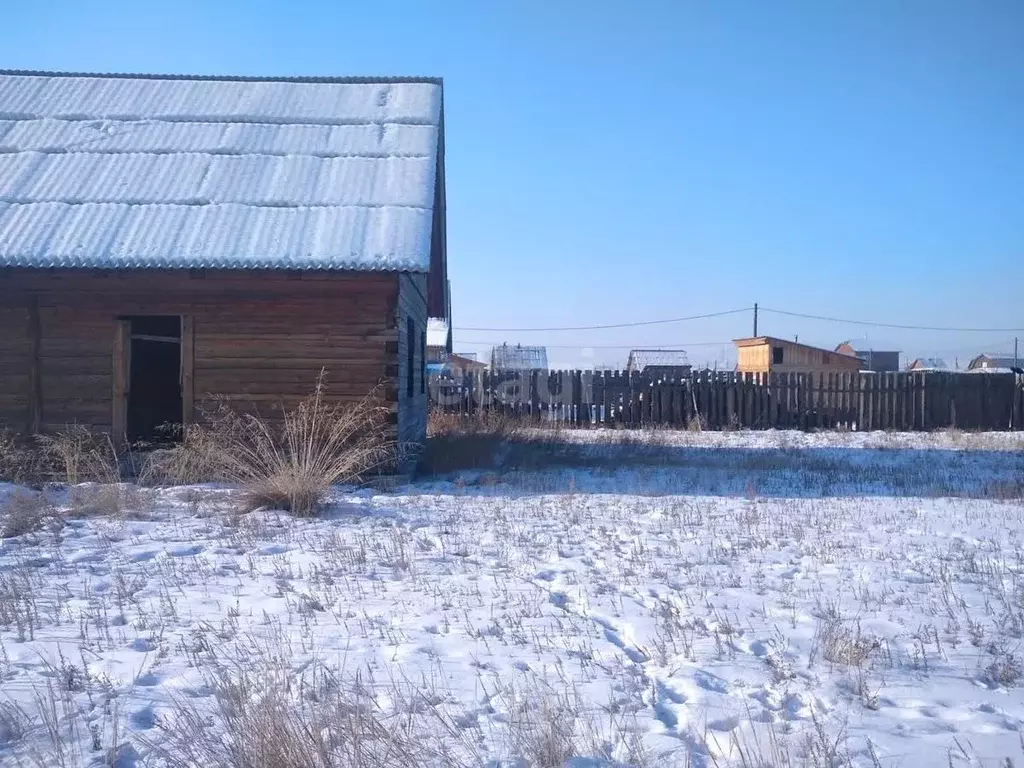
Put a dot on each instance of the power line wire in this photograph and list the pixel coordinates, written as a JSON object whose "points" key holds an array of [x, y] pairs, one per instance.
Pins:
{"points": [[604, 346], [612, 325], [803, 315], [892, 325]]}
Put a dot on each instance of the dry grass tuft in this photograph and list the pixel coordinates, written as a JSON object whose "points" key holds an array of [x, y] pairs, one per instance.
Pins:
{"points": [[112, 501], [456, 442], [1006, 668], [14, 724], [544, 728], [841, 642], [18, 462], [288, 464], [27, 512], [265, 717], [77, 455]]}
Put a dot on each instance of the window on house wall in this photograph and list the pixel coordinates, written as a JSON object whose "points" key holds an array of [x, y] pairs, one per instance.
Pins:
{"points": [[776, 355], [410, 350]]}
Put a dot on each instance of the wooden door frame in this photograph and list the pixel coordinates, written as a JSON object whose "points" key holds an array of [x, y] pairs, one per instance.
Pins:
{"points": [[188, 364], [121, 380], [122, 360]]}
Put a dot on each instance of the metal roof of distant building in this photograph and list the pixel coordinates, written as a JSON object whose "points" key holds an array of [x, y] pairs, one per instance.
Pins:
{"points": [[641, 358], [209, 171], [867, 345], [519, 358], [930, 362], [999, 360]]}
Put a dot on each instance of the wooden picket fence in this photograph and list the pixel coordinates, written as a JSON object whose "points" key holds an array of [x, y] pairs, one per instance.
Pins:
{"points": [[724, 400]]}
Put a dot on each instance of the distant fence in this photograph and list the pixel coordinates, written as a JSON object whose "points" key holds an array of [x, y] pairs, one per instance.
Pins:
{"points": [[862, 401]]}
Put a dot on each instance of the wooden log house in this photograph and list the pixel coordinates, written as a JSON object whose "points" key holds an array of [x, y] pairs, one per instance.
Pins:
{"points": [[169, 240]]}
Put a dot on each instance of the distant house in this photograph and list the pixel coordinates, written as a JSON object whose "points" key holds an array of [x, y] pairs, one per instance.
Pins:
{"points": [[873, 359], [439, 339], [668, 363], [994, 363], [519, 358], [928, 364], [167, 242], [767, 354], [460, 363]]}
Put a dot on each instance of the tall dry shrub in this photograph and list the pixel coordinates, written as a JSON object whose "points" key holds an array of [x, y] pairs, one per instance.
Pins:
{"points": [[288, 463]]}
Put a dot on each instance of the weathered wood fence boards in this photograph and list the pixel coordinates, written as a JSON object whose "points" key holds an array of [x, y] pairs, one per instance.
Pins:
{"points": [[863, 401]]}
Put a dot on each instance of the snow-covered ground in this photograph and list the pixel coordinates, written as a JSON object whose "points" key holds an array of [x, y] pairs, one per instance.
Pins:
{"points": [[688, 600]]}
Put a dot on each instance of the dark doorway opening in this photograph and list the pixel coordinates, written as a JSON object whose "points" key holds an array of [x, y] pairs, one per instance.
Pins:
{"points": [[154, 379]]}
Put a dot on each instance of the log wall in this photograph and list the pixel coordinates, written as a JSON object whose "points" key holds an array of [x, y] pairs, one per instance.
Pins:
{"points": [[258, 338]]}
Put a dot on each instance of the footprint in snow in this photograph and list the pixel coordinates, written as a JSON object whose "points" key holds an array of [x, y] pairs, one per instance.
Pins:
{"points": [[148, 680], [560, 600], [676, 697], [665, 712], [635, 655], [37, 562], [89, 557], [725, 724], [142, 557], [123, 756], [189, 551], [144, 719], [710, 682], [759, 648]]}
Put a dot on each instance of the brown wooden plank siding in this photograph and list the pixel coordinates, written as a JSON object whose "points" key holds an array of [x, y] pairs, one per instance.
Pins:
{"points": [[412, 408], [259, 338], [15, 365]]}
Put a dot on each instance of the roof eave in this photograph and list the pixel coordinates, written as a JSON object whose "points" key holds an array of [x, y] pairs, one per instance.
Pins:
{"points": [[349, 80]]}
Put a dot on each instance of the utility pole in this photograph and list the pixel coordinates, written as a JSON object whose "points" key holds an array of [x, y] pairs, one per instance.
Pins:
{"points": [[755, 319], [1016, 359]]}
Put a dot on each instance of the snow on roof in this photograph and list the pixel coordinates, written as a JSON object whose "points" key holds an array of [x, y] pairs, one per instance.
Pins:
{"points": [[996, 360], [519, 358], [872, 345], [642, 358], [155, 171], [437, 332]]}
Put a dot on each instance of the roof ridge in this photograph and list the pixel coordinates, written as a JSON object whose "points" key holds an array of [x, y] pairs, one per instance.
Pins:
{"points": [[352, 79]]}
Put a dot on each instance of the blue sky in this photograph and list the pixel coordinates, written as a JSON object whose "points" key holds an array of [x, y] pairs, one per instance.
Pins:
{"points": [[615, 162]]}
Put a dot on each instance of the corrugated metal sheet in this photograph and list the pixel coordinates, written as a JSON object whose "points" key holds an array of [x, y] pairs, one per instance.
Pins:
{"points": [[519, 358], [641, 358], [124, 171]]}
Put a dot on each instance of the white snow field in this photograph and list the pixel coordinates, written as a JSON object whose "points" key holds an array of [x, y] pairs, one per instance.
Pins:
{"points": [[704, 600]]}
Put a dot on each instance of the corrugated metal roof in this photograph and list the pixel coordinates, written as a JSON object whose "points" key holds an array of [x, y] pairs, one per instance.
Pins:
{"points": [[519, 358], [148, 171], [995, 360], [641, 358]]}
